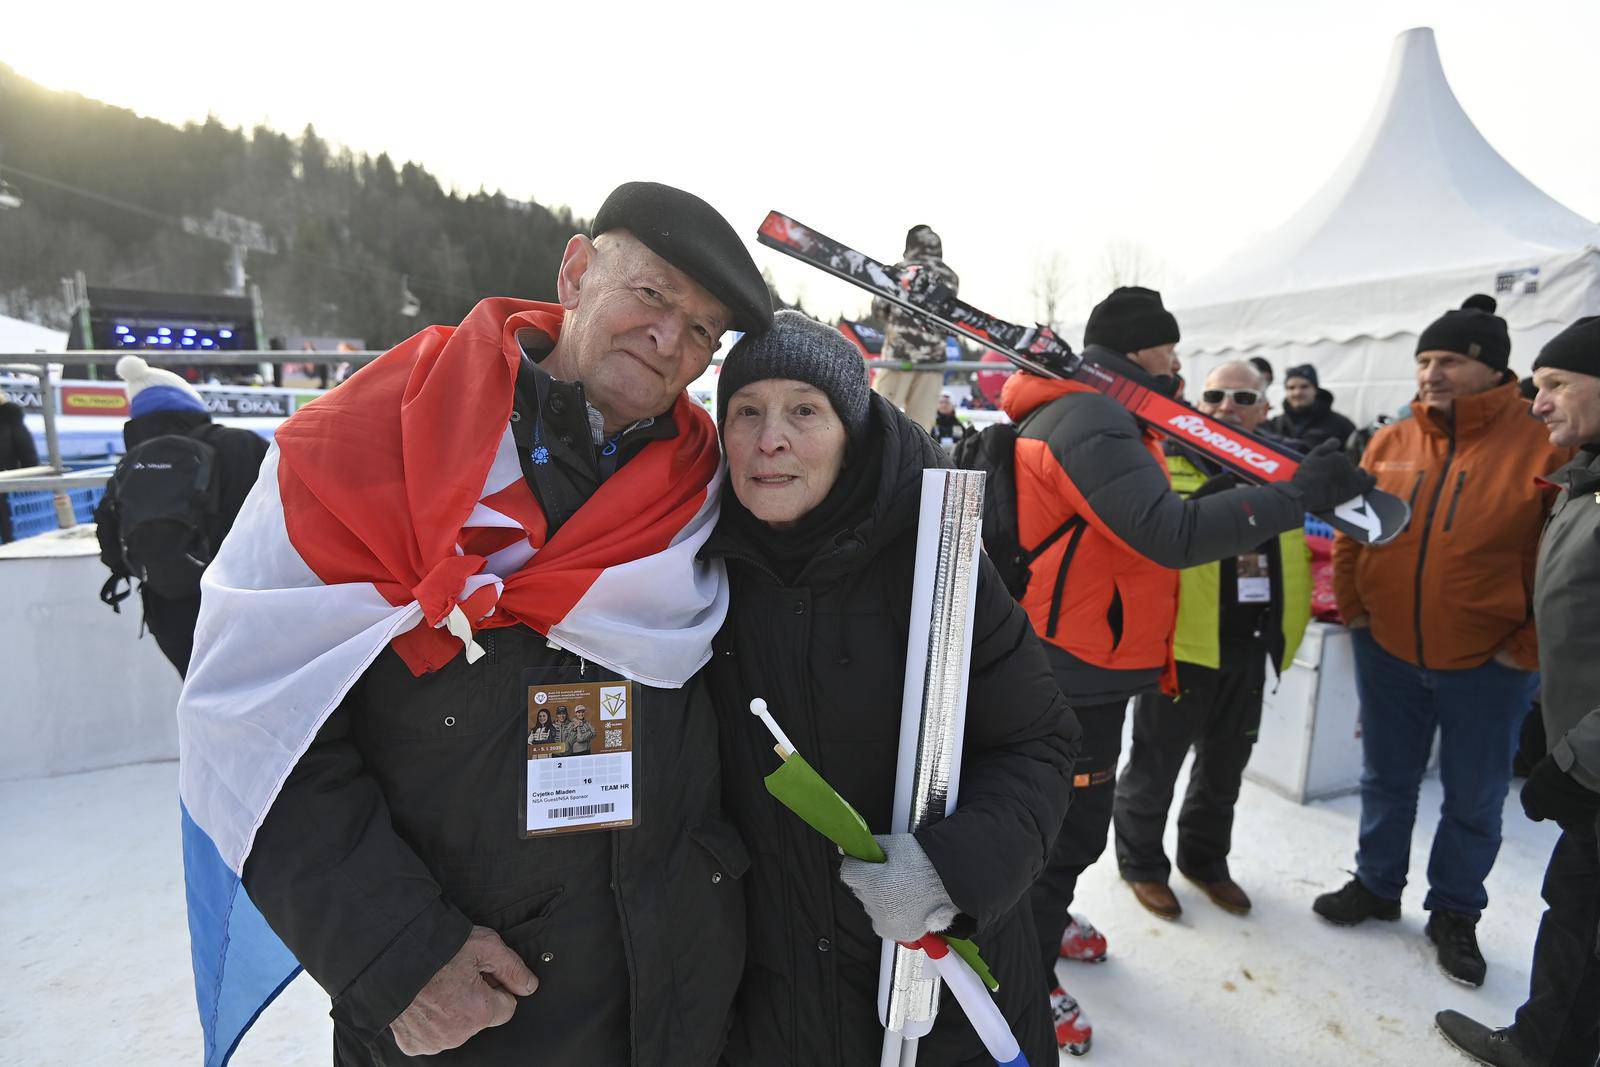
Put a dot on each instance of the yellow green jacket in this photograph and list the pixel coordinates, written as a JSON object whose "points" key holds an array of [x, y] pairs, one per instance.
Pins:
{"points": [[1198, 638]]}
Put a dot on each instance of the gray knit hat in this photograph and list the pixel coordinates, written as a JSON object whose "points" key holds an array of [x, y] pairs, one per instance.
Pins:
{"points": [[802, 349]]}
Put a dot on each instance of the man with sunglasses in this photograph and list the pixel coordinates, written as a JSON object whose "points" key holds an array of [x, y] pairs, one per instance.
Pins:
{"points": [[1232, 615]]}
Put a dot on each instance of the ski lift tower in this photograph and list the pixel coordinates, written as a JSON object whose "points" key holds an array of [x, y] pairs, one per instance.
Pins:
{"points": [[242, 236]]}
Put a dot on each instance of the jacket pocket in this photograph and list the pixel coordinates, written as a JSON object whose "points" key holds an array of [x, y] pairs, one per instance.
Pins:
{"points": [[1455, 498], [721, 839], [521, 915]]}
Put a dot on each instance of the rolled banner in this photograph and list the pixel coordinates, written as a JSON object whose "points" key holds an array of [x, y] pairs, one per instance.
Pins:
{"points": [[932, 721]]}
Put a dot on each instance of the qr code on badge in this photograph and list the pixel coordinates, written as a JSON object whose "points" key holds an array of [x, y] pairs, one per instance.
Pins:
{"points": [[613, 738]]}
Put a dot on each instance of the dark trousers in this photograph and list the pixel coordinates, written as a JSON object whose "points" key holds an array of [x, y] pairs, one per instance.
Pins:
{"points": [[1083, 835], [1478, 714], [1560, 1022], [171, 623], [1218, 711]]}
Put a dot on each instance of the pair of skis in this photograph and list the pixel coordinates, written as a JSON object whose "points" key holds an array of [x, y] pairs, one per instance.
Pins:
{"points": [[1373, 518]]}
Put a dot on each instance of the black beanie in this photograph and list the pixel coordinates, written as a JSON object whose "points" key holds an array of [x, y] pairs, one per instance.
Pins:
{"points": [[1130, 319], [1305, 371], [800, 348], [1577, 348], [1474, 331], [689, 233]]}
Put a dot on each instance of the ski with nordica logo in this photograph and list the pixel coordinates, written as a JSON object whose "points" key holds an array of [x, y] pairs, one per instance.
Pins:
{"points": [[1374, 518]]}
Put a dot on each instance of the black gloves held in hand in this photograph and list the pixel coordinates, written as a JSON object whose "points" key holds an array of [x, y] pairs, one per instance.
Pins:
{"points": [[1552, 793], [1327, 478]]}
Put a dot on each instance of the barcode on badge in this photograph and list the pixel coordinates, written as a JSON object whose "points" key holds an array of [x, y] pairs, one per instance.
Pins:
{"points": [[579, 811]]}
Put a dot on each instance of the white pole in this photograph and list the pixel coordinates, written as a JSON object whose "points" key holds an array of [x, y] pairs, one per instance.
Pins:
{"points": [[932, 721]]}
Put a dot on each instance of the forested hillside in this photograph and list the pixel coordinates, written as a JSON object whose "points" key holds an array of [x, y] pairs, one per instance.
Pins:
{"points": [[105, 191]]}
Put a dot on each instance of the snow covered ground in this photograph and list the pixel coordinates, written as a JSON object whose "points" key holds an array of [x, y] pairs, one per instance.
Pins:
{"points": [[94, 965]]}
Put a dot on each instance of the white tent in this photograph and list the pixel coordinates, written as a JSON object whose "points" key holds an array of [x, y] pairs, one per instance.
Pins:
{"points": [[1421, 213], [18, 336]]}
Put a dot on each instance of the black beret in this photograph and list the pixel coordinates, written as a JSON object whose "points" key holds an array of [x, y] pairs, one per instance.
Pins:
{"points": [[1577, 348], [688, 233], [1132, 318], [1473, 330]]}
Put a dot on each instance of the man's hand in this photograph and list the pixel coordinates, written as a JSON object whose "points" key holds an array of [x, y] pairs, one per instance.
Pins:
{"points": [[1551, 793], [1506, 659], [472, 992], [1360, 622]]}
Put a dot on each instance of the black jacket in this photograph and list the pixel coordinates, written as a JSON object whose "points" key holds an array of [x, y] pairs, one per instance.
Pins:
{"points": [[398, 830], [16, 451], [239, 455], [1312, 426], [828, 652]]}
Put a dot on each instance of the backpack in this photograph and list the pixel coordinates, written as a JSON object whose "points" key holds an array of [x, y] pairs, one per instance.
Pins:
{"points": [[994, 451], [166, 496]]}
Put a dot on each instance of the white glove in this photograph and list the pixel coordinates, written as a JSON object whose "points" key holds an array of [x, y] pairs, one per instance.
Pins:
{"points": [[903, 896]]}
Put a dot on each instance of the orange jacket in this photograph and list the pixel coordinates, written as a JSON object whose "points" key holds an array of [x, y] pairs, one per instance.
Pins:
{"points": [[1108, 577], [1106, 592], [1457, 586]]}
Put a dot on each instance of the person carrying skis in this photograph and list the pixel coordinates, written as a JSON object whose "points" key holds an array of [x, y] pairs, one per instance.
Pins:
{"points": [[909, 337], [1104, 596]]}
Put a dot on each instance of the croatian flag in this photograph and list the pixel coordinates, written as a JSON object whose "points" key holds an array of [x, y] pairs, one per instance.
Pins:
{"points": [[393, 511]]}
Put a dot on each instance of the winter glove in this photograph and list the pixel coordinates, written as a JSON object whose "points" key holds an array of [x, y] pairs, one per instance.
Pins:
{"points": [[1552, 793], [1531, 748], [903, 896], [1327, 478]]}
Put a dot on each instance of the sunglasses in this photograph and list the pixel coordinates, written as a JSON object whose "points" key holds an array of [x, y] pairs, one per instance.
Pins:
{"points": [[1241, 397]]}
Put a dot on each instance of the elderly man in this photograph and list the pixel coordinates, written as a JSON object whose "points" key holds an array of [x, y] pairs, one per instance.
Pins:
{"points": [[457, 899], [1232, 616], [1559, 1024], [1444, 629]]}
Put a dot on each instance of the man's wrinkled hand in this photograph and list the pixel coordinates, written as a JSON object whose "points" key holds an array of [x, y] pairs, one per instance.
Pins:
{"points": [[477, 989]]}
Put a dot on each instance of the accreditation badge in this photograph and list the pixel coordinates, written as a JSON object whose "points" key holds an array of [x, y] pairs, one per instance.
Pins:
{"points": [[1255, 578], [580, 751]]}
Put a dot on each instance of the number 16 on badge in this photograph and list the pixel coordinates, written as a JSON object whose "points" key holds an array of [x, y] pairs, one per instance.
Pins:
{"points": [[580, 752]]}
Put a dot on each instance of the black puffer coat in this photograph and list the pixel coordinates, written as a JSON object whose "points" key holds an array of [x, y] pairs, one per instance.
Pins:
{"points": [[1311, 426], [828, 653]]}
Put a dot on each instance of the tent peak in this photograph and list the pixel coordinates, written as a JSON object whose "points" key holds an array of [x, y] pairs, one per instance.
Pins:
{"points": [[1421, 190]]}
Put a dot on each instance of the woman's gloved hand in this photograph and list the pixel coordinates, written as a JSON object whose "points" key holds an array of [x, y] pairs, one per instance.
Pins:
{"points": [[1327, 478], [903, 896]]}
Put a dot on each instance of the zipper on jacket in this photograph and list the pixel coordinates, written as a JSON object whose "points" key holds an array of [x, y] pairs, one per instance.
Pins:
{"points": [[1455, 498], [1422, 548], [1416, 487]]}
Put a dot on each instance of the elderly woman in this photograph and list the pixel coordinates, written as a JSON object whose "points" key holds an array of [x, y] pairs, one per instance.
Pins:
{"points": [[819, 532]]}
